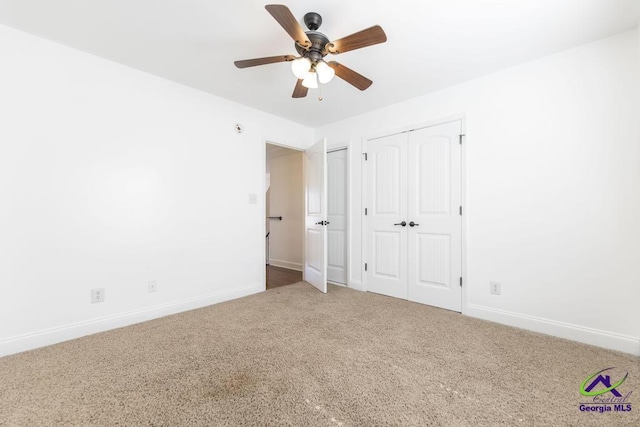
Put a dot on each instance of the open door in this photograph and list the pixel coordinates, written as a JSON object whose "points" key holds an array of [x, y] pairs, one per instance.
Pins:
{"points": [[315, 210]]}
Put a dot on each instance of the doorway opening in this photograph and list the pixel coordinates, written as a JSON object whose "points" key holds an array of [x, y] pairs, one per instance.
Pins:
{"points": [[297, 217], [284, 216]]}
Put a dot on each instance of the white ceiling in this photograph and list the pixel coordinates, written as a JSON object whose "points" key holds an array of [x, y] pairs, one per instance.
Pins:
{"points": [[431, 44]]}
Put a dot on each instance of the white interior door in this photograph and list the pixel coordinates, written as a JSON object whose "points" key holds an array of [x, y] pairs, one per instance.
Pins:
{"points": [[386, 253], [434, 198], [337, 216], [315, 229]]}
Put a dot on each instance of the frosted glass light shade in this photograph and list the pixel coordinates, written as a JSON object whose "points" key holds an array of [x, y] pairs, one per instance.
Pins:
{"points": [[310, 81], [300, 67], [325, 72]]}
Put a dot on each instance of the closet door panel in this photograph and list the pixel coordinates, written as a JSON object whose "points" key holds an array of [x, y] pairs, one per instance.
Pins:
{"points": [[434, 198], [386, 251]]}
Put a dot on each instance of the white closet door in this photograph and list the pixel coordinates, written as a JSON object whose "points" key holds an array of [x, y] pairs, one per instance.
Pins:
{"points": [[337, 216], [434, 197], [386, 253]]}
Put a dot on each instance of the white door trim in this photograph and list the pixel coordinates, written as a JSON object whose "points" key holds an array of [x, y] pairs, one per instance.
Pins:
{"points": [[463, 181], [352, 264], [347, 211]]}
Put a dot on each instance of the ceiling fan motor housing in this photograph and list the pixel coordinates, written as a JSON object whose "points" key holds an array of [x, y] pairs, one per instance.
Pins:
{"points": [[318, 42]]}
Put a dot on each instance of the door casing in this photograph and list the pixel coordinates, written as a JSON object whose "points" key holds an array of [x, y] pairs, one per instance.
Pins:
{"points": [[262, 205], [347, 210]]}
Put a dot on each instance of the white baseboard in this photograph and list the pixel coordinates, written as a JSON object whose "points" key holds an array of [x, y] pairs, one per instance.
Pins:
{"points": [[285, 264], [329, 282], [612, 341], [356, 284], [56, 335]]}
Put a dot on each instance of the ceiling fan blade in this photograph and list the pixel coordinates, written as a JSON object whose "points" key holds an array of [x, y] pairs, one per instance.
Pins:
{"points": [[263, 61], [285, 18], [350, 76], [299, 91], [370, 36]]}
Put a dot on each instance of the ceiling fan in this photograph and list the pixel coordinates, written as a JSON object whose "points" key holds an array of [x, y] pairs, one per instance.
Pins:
{"points": [[310, 67]]}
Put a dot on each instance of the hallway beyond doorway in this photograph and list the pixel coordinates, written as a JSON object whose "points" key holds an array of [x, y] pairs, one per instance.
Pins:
{"points": [[278, 276]]}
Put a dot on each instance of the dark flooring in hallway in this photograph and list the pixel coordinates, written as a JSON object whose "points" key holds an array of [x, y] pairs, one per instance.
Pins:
{"points": [[278, 276]]}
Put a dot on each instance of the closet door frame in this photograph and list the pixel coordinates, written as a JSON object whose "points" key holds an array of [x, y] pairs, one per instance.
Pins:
{"points": [[347, 184], [463, 181]]}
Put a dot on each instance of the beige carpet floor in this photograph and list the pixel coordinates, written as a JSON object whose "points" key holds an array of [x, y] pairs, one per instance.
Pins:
{"points": [[293, 356]]}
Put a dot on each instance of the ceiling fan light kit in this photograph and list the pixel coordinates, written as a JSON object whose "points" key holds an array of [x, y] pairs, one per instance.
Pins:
{"points": [[311, 81], [310, 68], [325, 72], [300, 67]]}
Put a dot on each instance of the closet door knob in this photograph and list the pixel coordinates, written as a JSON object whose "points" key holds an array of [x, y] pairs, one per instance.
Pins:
{"points": [[403, 223], [413, 224]]}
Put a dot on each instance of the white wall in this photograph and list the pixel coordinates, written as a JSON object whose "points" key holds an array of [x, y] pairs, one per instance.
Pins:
{"points": [[552, 155], [110, 177], [286, 199]]}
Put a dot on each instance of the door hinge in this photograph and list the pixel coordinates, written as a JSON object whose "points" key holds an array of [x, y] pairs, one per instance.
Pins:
{"points": [[461, 136], [460, 210], [365, 266], [365, 156], [365, 211], [461, 281]]}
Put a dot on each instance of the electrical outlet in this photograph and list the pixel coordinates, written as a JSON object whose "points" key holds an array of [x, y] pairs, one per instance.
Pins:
{"points": [[495, 288], [153, 286], [253, 198], [97, 295]]}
